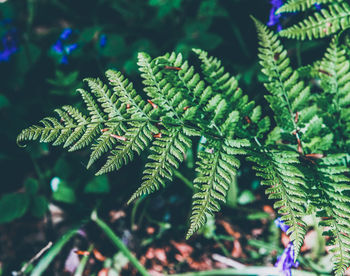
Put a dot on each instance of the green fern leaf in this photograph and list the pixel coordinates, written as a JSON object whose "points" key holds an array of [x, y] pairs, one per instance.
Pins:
{"points": [[302, 5], [332, 187], [287, 185], [321, 24], [217, 166], [168, 152]]}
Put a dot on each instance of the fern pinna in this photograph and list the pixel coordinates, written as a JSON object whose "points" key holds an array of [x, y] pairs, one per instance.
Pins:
{"points": [[297, 159], [333, 16]]}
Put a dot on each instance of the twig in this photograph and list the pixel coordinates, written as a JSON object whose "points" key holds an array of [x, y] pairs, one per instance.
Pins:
{"points": [[32, 260], [228, 261]]}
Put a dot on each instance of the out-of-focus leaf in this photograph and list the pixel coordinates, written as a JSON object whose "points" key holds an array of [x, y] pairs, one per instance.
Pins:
{"points": [[31, 185], [246, 197], [64, 193], [63, 169], [39, 206], [258, 216], [4, 102], [89, 34], [98, 185], [13, 206], [115, 46], [165, 6]]}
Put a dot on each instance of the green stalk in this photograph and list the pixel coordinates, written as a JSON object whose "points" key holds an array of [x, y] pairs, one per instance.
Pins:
{"points": [[83, 262], [118, 243], [184, 179], [252, 270], [53, 252]]}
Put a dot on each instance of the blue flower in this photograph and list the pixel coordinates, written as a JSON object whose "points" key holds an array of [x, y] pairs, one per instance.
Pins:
{"points": [[286, 261], [69, 48], [274, 18], [103, 40], [58, 47], [318, 6], [66, 33], [8, 45], [280, 223], [63, 50]]}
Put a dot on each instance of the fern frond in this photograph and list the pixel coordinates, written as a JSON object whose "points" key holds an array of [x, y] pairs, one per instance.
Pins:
{"points": [[333, 186], [105, 142], [294, 108], [289, 94], [133, 102], [168, 153], [217, 166], [323, 23], [156, 87], [138, 132], [279, 170], [226, 85], [137, 138], [52, 131], [108, 100], [334, 73], [215, 75], [302, 5]]}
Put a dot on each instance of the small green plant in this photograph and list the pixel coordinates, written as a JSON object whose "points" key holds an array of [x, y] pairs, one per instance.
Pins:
{"points": [[301, 153]]}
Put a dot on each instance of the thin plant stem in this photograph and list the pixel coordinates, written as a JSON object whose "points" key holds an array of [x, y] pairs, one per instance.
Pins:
{"points": [[83, 262], [184, 179], [118, 243], [223, 248], [133, 213], [53, 252], [252, 271]]}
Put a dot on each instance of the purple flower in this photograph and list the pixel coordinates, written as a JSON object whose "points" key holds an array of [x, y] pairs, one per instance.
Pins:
{"points": [[274, 18], [8, 45], [72, 262], [280, 223], [286, 261], [103, 40]]}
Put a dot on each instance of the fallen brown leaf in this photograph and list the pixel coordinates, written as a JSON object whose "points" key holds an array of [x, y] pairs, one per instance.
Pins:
{"points": [[229, 229], [185, 249]]}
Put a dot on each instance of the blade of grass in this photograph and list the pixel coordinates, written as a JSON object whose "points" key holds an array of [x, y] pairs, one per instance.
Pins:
{"points": [[52, 253], [184, 179], [83, 262], [252, 270], [118, 243]]}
